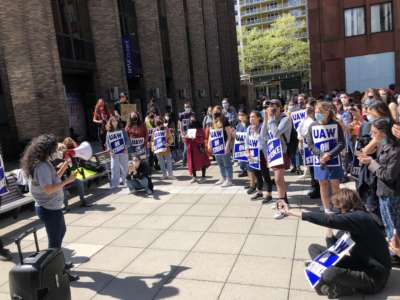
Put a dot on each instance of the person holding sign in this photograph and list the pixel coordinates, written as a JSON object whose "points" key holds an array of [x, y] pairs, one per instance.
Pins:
{"points": [[137, 134], [117, 143], [220, 142], [277, 127], [366, 269], [254, 144], [197, 156], [325, 139], [161, 140], [239, 147]]}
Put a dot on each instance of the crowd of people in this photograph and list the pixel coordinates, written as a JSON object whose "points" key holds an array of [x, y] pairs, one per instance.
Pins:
{"points": [[334, 138]]}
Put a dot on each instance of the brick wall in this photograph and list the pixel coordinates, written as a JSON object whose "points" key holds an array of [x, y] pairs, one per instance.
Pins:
{"points": [[30, 53], [106, 32]]}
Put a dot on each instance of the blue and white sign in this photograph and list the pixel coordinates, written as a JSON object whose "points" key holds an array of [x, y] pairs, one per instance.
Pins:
{"points": [[308, 156], [149, 134], [160, 141], [328, 258], [274, 151], [3, 183], [239, 153], [356, 167], [297, 117], [254, 158], [138, 146], [217, 141], [117, 142], [325, 139]]}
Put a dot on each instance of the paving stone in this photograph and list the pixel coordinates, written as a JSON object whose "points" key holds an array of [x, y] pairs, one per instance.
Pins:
{"points": [[177, 240], [229, 243], [193, 223], [269, 245], [247, 292], [232, 225]]}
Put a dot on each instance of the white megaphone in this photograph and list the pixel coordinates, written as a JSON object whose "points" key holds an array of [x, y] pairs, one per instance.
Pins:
{"points": [[84, 151]]}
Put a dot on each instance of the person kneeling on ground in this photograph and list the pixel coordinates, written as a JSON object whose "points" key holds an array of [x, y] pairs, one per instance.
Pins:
{"points": [[139, 176], [367, 268]]}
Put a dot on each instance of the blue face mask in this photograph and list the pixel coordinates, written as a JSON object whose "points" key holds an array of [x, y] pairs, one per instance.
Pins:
{"points": [[371, 118], [384, 142], [319, 117]]}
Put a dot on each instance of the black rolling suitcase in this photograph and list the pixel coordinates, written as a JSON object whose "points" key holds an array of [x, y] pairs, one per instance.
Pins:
{"points": [[40, 276]]}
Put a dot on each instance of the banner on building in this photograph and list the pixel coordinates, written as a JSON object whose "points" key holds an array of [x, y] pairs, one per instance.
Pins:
{"points": [[127, 46], [3, 182], [217, 141], [239, 152], [117, 141], [297, 117], [325, 139], [328, 258]]}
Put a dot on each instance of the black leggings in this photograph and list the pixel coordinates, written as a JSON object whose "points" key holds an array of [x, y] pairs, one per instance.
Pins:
{"points": [[263, 175], [203, 172], [348, 277]]}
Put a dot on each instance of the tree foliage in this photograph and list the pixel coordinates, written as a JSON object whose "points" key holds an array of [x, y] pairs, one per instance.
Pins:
{"points": [[277, 47]]}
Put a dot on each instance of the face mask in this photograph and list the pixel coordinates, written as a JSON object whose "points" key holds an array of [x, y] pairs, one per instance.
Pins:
{"points": [[398, 100], [187, 110], [319, 117], [166, 124], [217, 115], [371, 97], [371, 118], [384, 98], [291, 108], [384, 142], [115, 124], [225, 106]]}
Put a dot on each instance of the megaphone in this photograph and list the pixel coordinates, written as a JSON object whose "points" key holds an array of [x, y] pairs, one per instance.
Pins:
{"points": [[84, 151]]}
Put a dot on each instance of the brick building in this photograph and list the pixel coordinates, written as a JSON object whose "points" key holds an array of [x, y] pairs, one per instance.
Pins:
{"points": [[355, 44], [58, 56]]}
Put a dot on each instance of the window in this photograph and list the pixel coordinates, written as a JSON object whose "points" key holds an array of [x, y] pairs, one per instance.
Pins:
{"points": [[381, 17], [354, 19]]}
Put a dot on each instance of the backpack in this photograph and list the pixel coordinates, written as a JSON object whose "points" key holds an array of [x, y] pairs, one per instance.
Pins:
{"points": [[293, 143]]}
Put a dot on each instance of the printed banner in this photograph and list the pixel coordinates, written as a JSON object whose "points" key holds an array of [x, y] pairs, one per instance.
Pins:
{"points": [[239, 152], [117, 142], [138, 146], [217, 141], [3, 183], [297, 117], [254, 158], [328, 258], [149, 134], [160, 141], [274, 151], [325, 139], [308, 156], [185, 124]]}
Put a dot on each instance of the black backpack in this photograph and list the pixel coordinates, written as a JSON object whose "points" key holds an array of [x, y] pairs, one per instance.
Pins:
{"points": [[293, 143]]}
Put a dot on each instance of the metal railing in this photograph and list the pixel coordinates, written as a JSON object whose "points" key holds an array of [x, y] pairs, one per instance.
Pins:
{"points": [[267, 20], [278, 7]]}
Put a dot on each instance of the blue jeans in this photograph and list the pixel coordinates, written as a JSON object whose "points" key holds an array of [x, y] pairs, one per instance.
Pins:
{"points": [[78, 184], [54, 223], [390, 213], [225, 165], [119, 168], [296, 159], [138, 184], [165, 162], [243, 165]]}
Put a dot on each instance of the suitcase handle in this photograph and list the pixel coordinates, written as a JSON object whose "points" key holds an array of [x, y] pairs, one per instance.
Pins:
{"points": [[21, 237]]}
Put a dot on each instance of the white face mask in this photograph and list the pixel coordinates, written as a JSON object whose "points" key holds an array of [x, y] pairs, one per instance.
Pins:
{"points": [[225, 105], [188, 109], [398, 100]]}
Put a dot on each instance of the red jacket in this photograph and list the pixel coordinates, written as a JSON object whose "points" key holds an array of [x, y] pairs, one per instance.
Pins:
{"points": [[196, 149]]}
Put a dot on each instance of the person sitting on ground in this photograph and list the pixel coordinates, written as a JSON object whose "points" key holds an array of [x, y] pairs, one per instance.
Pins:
{"points": [[367, 268], [138, 177]]}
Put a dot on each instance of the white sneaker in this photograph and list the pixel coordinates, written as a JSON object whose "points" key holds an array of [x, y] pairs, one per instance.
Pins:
{"points": [[219, 182], [193, 180], [278, 215], [227, 183]]}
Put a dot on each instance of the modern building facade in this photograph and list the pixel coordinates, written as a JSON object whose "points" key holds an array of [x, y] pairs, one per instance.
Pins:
{"points": [[354, 44], [58, 56], [261, 14]]}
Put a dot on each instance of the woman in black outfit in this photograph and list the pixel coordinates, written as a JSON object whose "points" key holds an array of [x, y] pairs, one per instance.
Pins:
{"points": [[367, 268]]}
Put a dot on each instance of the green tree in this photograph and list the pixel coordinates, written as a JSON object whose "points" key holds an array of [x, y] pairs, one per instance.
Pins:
{"points": [[278, 47]]}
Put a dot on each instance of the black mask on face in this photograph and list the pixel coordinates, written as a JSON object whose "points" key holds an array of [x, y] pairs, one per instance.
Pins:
{"points": [[217, 115]]}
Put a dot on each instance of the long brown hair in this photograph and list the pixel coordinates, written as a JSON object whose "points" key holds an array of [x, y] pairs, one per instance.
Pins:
{"points": [[109, 125], [326, 107], [100, 103], [219, 121]]}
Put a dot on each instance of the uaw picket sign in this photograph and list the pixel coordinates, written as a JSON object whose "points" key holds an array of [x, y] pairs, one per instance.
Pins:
{"points": [[325, 139], [355, 166], [3, 183], [239, 152], [160, 141], [328, 258], [138, 146], [217, 141], [297, 117], [274, 151], [117, 142], [308, 156], [254, 159]]}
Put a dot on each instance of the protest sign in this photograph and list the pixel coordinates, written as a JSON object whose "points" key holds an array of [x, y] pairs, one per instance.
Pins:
{"points": [[297, 117], [160, 141], [325, 139], [217, 141], [239, 152], [117, 141]]}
